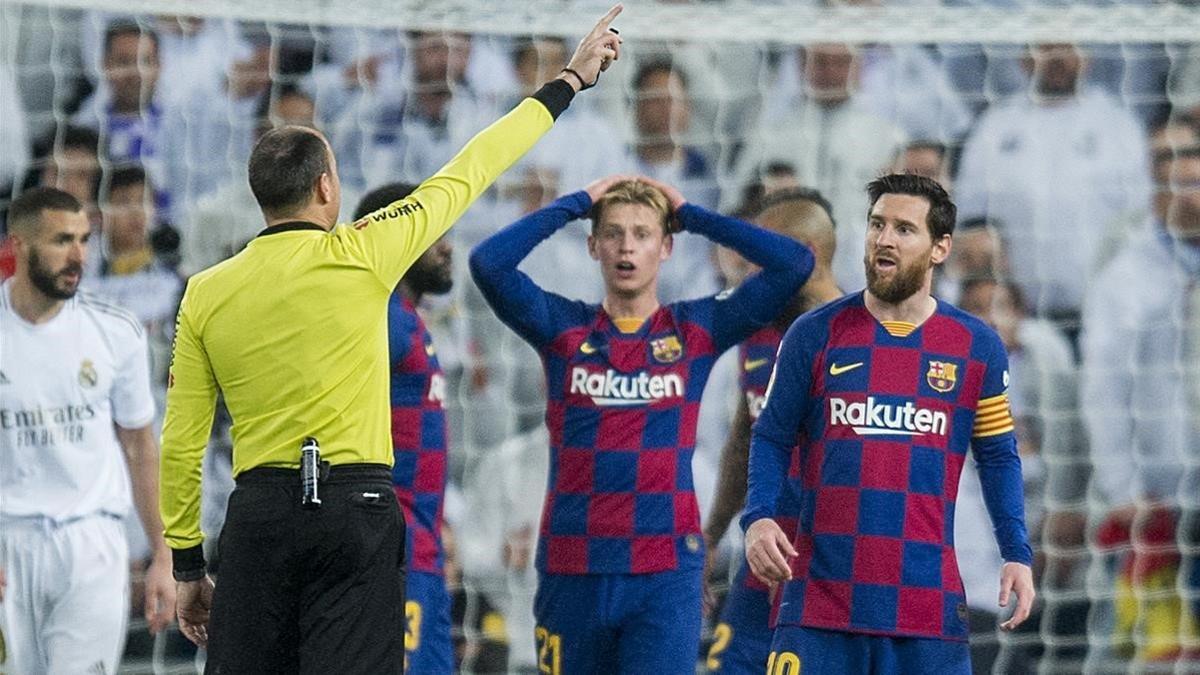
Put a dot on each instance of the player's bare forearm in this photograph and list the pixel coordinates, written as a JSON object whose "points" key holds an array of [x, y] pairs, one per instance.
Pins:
{"points": [[731, 484], [141, 454]]}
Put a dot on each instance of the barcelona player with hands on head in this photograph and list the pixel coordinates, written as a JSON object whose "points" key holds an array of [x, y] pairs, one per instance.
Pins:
{"points": [[620, 550], [874, 402]]}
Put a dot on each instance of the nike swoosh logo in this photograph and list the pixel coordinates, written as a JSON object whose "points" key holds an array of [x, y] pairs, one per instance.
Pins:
{"points": [[755, 364], [587, 348], [429, 350], [835, 369]]}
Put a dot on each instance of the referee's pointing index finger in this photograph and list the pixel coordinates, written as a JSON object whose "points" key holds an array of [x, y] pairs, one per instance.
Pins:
{"points": [[607, 19]]}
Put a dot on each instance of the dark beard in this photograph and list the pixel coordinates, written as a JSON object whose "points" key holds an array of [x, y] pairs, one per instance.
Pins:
{"points": [[46, 281], [429, 280], [906, 282]]}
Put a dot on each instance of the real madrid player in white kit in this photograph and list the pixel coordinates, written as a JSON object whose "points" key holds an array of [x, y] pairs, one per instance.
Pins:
{"points": [[75, 437]]}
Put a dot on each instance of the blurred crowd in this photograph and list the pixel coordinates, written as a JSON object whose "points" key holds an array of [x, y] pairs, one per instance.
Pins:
{"points": [[1076, 169]]}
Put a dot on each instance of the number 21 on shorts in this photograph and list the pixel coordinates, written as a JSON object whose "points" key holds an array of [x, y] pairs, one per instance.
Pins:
{"points": [[549, 651], [783, 663]]}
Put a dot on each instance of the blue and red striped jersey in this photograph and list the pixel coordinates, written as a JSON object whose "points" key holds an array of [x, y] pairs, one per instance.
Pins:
{"points": [[622, 407], [878, 417], [418, 433]]}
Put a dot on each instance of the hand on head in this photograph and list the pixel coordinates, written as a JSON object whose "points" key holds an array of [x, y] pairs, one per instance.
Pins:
{"points": [[673, 195], [598, 187]]}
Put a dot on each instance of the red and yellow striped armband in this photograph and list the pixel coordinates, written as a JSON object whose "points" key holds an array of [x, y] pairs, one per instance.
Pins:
{"points": [[993, 417]]}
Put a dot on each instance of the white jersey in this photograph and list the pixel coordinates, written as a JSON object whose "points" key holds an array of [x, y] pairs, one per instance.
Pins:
{"points": [[63, 384]]}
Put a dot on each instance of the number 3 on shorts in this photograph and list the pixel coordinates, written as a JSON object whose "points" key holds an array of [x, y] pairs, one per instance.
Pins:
{"points": [[549, 651], [783, 663], [412, 630]]}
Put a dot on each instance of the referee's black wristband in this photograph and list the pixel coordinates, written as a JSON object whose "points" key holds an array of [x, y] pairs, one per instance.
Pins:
{"points": [[556, 95], [187, 564]]}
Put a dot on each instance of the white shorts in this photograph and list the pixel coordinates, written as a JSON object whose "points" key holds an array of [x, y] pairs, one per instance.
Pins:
{"points": [[67, 600]]}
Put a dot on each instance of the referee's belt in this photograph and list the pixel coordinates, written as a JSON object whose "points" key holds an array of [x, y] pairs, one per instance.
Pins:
{"points": [[337, 473]]}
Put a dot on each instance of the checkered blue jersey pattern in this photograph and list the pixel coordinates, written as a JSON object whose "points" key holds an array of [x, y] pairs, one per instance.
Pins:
{"points": [[418, 433], [756, 357], [884, 424], [622, 407]]}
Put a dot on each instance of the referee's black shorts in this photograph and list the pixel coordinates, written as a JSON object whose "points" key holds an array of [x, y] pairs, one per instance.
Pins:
{"points": [[310, 591]]}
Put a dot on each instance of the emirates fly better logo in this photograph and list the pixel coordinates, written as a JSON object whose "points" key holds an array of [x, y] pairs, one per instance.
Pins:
{"points": [[875, 418]]}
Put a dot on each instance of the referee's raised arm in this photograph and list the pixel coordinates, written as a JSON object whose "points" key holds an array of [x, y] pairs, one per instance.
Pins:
{"points": [[291, 332], [393, 237]]}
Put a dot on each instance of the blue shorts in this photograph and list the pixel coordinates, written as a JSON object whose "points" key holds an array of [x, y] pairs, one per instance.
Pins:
{"points": [[742, 637], [427, 646], [610, 623], [810, 650]]}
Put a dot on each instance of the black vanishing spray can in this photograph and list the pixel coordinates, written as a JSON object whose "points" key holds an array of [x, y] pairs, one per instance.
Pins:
{"points": [[310, 473]]}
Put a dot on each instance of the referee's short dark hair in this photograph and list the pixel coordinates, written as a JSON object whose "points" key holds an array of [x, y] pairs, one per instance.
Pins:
{"points": [[284, 167], [25, 212]]}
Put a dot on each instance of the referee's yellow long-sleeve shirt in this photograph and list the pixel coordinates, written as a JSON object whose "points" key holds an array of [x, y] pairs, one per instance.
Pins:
{"points": [[293, 329]]}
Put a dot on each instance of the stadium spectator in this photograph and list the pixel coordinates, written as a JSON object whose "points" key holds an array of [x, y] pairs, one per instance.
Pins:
{"points": [[78, 452], [14, 132], [662, 110], [925, 158], [129, 272], [73, 166], [413, 116], [221, 223], [210, 139], [978, 254], [1057, 167], [620, 551], [1043, 397], [1139, 383], [834, 143], [1183, 89], [909, 85], [127, 111], [195, 52], [498, 540]]}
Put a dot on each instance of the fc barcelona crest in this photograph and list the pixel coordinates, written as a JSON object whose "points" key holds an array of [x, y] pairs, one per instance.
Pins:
{"points": [[667, 349], [942, 376]]}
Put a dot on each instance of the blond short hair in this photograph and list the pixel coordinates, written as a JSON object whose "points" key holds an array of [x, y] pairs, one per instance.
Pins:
{"points": [[633, 192]]}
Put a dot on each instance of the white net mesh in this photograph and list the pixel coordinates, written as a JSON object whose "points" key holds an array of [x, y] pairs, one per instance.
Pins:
{"points": [[1058, 194]]}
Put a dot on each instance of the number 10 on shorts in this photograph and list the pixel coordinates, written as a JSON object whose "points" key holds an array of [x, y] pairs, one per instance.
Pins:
{"points": [[783, 663]]}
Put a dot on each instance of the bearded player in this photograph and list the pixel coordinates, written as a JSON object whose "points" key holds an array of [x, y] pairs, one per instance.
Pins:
{"points": [[874, 402], [419, 441]]}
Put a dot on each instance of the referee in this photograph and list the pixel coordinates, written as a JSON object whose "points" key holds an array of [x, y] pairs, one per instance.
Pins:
{"points": [[292, 331]]}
